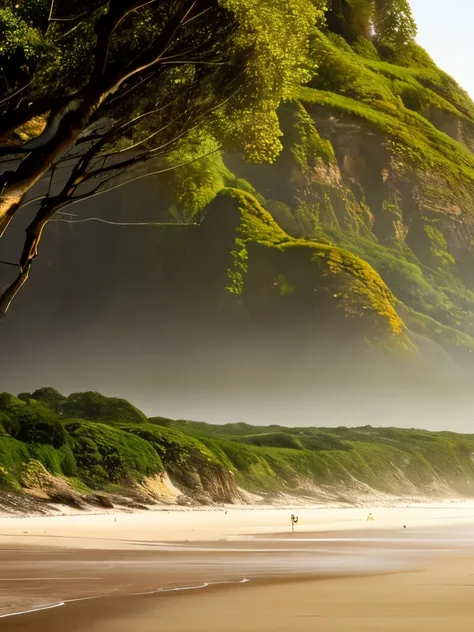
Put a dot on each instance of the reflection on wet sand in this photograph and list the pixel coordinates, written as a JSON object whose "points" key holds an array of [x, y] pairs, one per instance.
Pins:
{"points": [[48, 588]]}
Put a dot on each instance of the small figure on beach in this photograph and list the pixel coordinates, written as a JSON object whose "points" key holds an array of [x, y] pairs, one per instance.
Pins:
{"points": [[370, 518], [294, 520]]}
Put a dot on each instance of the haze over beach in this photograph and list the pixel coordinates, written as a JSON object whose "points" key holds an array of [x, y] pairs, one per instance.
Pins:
{"points": [[236, 316]]}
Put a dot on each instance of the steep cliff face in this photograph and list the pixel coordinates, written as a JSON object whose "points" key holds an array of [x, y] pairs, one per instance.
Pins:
{"points": [[377, 163]]}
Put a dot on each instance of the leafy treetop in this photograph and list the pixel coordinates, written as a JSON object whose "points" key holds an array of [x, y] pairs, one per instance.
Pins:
{"points": [[104, 89]]}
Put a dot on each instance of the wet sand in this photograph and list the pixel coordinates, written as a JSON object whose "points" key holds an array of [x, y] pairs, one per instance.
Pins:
{"points": [[365, 579]]}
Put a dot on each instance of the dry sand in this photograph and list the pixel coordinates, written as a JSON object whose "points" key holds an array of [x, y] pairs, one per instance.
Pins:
{"points": [[349, 575], [122, 530]]}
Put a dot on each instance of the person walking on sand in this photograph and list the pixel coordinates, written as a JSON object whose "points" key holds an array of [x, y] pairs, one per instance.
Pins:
{"points": [[294, 520], [370, 518]]}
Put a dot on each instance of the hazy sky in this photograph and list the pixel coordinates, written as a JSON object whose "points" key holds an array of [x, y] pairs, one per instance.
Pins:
{"points": [[446, 31]]}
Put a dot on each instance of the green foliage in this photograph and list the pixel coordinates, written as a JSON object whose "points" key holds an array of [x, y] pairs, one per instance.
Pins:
{"points": [[411, 137], [400, 270], [30, 422], [393, 23], [350, 18], [457, 343], [307, 146], [279, 34], [365, 48], [256, 224], [175, 448], [439, 247], [97, 407], [16, 34], [38, 425], [272, 440], [197, 183], [48, 397], [8, 424], [241, 59], [264, 459], [376, 92], [13, 454], [363, 293], [104, 454]]}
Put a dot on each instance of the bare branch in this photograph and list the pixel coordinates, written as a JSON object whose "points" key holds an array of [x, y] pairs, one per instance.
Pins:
{"points": [[107, 25], [51, 9], [195, 17], [128, 90], [7, 297], [70, 19], [152, 57], [17, 92], [50, 207], [149, 174], [40, 198], [104, 221]]}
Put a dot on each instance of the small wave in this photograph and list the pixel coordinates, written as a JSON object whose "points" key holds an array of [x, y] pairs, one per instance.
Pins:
{"points": [[152, 592], [50, 607], [180, 588]]}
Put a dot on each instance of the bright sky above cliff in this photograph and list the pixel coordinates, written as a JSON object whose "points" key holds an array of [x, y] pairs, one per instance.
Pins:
{"points": [[445, 30]]}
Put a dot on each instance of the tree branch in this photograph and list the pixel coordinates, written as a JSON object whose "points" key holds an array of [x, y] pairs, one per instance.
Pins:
{"points": [[106, 26], [8, 295], [104, 221], [153, 56], [53, 205]]}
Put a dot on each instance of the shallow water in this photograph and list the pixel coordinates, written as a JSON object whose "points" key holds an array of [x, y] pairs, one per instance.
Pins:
{"points": [[34, 579]]}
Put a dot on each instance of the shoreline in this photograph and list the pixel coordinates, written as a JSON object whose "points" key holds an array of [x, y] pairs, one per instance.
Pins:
{"points": [[380, 500]]}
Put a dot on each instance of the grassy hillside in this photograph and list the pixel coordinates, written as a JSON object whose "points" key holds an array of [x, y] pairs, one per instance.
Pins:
{"points": [[208, 463]]}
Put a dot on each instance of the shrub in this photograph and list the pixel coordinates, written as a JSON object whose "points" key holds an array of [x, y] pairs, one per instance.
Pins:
{"points": [[39, 425]]}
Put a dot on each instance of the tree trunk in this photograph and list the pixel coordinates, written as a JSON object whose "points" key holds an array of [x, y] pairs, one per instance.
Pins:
{"points": [[15, 184]]}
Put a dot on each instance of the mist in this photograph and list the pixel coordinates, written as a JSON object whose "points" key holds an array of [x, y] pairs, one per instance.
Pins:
{"points": [[106, 311]]}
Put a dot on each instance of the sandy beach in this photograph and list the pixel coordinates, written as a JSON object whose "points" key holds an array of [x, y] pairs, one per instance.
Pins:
{"points": [[186, 571], [174, 524]]}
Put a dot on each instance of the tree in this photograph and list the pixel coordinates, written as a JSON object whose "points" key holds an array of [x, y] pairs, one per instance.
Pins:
{"points": [[49, 397], [394, 24], [96, 407], [350, 18], [38, 424], [96, 93], [8, 425]]}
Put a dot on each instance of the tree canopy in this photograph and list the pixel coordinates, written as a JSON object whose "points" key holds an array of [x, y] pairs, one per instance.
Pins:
{"points": [[389, 22], [95, 93], [394, 24]]}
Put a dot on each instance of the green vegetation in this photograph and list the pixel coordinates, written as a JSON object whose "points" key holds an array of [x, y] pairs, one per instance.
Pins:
{"points": [[366, 171], [199, 456], [378, 161], [178, 79], [355, 285]]}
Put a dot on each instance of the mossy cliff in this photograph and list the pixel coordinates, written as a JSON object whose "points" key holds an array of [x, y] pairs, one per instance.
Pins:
{"points": [[372, 198]]}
